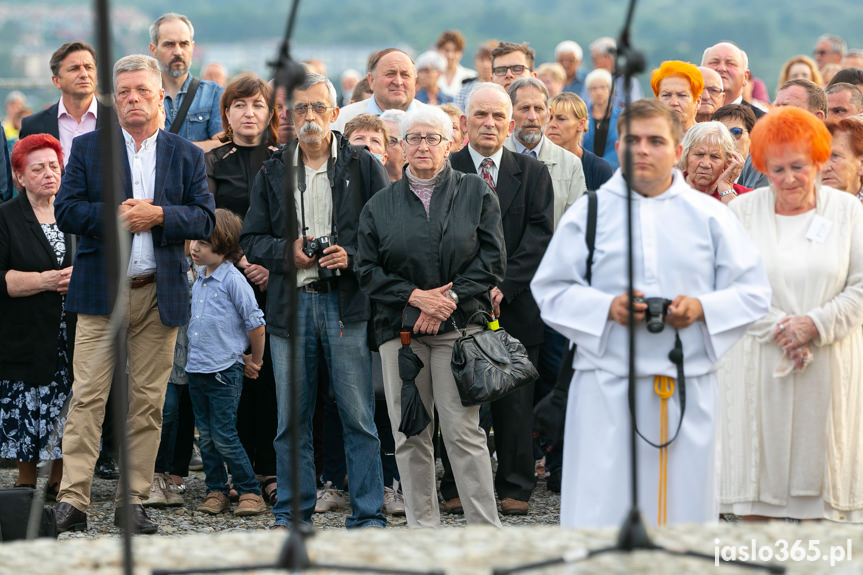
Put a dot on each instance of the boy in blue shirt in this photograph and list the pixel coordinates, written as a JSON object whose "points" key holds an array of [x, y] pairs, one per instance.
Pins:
{"points": [[225, 320]]}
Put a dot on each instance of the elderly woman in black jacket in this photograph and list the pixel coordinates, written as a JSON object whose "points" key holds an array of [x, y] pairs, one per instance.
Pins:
{"points": [[430, 249]]}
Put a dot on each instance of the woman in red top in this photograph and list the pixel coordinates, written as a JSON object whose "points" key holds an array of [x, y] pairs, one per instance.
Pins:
{"points": [[709, 162]]}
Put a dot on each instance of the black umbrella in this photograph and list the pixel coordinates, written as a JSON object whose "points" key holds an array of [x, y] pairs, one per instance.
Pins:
{"points": [[415, 418]]}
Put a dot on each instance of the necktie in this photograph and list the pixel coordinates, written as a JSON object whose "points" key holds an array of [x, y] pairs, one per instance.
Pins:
{"points": [[484, 171]]}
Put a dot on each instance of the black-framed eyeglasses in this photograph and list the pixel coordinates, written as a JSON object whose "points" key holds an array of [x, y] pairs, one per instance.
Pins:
{"points": [[714, 91], [736, 132], [317, 107], [413, 139], [515, 68]]}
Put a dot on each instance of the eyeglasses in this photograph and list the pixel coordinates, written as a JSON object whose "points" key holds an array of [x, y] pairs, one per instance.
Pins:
{"points": [[317, 107], [736, 132], [714, 91], [516, 69], [414, 139], [821, 52]]}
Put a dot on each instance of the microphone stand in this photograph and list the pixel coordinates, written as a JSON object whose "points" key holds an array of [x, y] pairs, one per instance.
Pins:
{"points": [[294, 556], [632, 535]]}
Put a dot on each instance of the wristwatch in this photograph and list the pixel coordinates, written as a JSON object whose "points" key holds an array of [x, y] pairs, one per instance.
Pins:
{"points": [[727, 193], [452, 295]]}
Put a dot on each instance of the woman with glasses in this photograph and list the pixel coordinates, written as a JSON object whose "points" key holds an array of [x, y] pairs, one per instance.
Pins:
{"points": [[430, 250], [709, 162], [600, 128], [740, 120]]}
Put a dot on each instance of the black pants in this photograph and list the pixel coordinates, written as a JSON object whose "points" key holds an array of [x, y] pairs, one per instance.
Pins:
{"points": [[257, 417], [512, 419]]}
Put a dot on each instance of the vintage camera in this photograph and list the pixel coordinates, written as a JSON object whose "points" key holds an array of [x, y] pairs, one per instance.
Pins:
{"points": [[315, 247], [657, 308]]}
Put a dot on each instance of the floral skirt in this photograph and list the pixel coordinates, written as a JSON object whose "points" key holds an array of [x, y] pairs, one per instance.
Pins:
{"points": [[32, 417]]}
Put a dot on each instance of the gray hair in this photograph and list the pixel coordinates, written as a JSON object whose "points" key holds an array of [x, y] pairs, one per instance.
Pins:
{"points": [[604, 45], [136, 63], [483, 86], [524, 83], [311, 79], [154, 27], [837, 44], [431, 59], [569, 47], [711, 133], [856, 93], [430, 115], [743, 57], [598, 74]]}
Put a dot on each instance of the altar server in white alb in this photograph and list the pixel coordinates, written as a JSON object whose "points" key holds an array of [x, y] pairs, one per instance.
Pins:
{"points": [[688, 248]]}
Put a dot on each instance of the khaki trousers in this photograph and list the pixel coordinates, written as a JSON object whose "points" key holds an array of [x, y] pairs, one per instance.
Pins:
{"points": [[464, 439], [150, 357]]}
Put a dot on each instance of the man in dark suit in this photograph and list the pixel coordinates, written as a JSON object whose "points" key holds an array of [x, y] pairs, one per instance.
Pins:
{"points": [[167, 202], [732, 64], [73, 72], [524, 189]]}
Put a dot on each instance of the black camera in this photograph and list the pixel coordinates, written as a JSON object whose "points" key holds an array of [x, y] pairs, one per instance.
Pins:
{"points": [[315, 247], [657, 308]]}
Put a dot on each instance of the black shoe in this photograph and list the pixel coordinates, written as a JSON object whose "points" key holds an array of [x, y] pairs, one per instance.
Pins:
{"points": [[106, 467], [68, 518], [140, 522], [553, 481]]}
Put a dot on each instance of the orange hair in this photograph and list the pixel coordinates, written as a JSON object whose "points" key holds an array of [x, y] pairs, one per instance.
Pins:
{"points": [[788, 125], [685, 70]]}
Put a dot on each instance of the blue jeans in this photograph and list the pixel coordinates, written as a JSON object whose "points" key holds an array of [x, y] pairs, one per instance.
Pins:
{"points": [[215, 397], [345, 349]]}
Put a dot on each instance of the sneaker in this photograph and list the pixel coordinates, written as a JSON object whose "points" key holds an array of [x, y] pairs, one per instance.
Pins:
{"points": [[172, 491], [250, 504], [157, 496], [177, 481], [329, 499], [215, 503], [394, 500], [196, 463]]}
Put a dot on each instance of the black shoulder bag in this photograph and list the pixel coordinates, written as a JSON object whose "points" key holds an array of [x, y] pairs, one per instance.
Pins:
{"points": [[184, 107], [549, 413]]}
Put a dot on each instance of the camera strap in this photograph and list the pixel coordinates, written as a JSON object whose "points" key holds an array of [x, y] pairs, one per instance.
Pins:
{"points": [[301, 186], [676, 357]]}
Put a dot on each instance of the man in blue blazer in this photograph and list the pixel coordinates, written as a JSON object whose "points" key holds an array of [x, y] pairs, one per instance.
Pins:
{"points": [[167, 202]]}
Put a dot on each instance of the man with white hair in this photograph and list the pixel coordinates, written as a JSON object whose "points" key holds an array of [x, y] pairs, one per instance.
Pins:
{"points": [[393, 78], [524, 188], [829, 49], [732, 64], [430, 66], [603, 52], [713, 96], [172, 41], [334, 180], [569, 55]]}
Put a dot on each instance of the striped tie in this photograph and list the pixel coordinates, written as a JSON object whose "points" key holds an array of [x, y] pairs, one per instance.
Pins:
{"points": [[485, 173]]}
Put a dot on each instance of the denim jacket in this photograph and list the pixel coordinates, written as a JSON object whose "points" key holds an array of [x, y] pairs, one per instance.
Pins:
{"points": [[204, 119]]}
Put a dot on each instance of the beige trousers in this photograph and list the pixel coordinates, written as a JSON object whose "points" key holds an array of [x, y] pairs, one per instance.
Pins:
{"points": [[150, 357], [464, 439]]}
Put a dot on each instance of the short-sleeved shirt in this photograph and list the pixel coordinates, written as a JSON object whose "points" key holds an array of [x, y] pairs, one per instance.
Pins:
{"points": [[224, 310], [203, 120]]}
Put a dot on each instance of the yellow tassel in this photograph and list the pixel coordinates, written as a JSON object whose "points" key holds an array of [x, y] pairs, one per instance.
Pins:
{"points": [[664, 388]]}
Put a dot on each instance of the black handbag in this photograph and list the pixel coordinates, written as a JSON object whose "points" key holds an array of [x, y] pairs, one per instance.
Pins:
{"points": [[15, 506], [489, 364]]}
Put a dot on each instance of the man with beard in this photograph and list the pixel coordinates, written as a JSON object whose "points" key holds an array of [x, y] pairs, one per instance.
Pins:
{"points": [[172, 43], [732, 64], [334, 180]]}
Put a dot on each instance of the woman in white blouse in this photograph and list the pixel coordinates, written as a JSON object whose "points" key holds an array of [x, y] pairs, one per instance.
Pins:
{"points": [[792, 435]]}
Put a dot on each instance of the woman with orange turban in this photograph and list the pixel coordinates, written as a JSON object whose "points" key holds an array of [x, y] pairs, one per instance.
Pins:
{"points": [[793, 386]]}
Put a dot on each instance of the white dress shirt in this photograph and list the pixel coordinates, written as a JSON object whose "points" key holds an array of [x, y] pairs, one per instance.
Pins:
{"points": [[142, 166], [495, 161]]}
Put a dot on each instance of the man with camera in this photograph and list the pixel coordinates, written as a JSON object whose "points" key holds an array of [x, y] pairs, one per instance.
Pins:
{"points": [[333, 181], [699, 282]]}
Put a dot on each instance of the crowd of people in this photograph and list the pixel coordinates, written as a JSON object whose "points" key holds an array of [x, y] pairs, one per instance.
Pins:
{"points": [[427, 197]]}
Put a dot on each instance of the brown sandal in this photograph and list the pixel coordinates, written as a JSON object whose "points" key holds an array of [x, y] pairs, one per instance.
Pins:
{"points": [[269, 490]]}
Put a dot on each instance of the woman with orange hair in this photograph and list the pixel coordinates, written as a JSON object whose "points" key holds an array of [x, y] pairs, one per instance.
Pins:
{"points": [[800, 67], [679, 84], [793, 387]]}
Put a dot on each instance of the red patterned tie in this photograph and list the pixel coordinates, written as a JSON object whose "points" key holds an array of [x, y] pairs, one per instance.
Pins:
{"points": [[485, 173]]}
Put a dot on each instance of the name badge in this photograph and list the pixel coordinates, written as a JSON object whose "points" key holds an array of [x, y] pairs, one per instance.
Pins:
{"points": [[819, 229]]}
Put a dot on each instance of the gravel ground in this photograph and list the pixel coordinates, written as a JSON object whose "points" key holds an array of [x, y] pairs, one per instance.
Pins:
{"points": [[544, 510]]}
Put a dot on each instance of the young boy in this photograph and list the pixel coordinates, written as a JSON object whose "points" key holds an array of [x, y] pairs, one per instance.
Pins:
{"points": [[225, 319]]}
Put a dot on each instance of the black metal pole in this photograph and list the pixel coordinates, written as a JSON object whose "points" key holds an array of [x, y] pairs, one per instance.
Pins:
{"points": [[115, 260]]}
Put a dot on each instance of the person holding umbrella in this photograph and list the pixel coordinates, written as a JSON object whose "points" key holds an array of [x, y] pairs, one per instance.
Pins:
{"points": [[430, 249]]}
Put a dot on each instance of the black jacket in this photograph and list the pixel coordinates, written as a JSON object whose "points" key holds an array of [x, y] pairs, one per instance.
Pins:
{"points": [[526, 197], [230, 180], [45, 122], [30, 325], [401, 248], [357, 176]]}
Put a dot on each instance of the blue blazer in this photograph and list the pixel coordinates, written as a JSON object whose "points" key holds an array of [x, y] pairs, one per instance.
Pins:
{"points": [[180, 188]]}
